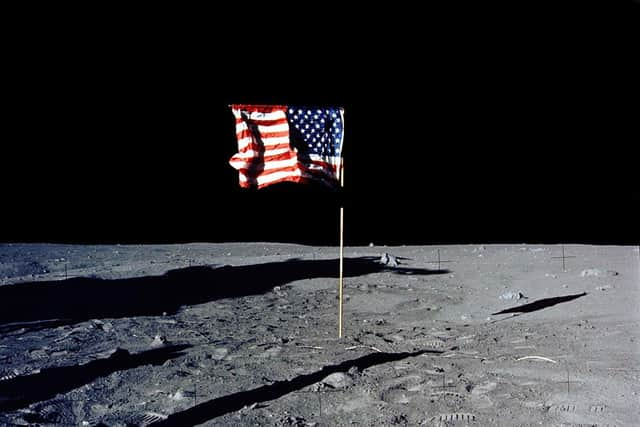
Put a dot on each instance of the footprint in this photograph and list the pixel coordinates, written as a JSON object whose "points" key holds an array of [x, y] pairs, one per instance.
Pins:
{"points": [[147, 418], [57, 412], [454, 417], [11, 375]]}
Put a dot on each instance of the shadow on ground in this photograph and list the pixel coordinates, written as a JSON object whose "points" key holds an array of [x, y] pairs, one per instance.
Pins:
{"points": [[22, 391], [37, 305], [540, 304], [233, 402]]}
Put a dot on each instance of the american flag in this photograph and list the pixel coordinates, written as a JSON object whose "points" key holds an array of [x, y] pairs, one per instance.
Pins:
{"points": [[278, 143]]}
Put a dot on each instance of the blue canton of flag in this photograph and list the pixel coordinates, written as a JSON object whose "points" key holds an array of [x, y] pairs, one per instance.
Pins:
{"points": [[321, 130]]}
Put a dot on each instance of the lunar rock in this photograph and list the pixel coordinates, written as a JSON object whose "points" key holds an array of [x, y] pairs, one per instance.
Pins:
{"points": [[512, 295], [158, 341], [219, 353], [337, 380], [390, 260], [597, 272]]}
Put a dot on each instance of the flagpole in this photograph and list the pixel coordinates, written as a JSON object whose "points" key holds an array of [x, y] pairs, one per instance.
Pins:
{"points": [[341, 251]]}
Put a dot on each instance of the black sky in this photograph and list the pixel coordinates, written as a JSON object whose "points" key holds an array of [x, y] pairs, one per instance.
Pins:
{"points": [[497, 129]]}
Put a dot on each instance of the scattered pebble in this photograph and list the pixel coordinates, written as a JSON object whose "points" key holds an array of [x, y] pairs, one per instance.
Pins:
{"points": [[604, 288]]}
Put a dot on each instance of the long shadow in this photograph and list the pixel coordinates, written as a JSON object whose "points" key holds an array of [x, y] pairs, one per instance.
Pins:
{"points": [[20, 392], [223, 405], [38, 304], [540, 304]]}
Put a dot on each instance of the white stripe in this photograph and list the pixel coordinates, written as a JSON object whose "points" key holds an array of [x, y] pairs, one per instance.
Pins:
{"points": [[281, 127], [277, 164], [256, 115], [265, 179], [271, 165], [327, 159], [251, 153], [276, 140]]}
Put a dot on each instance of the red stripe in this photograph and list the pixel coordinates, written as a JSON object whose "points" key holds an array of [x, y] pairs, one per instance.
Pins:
{"points": [[282, 121], [252, 173], [327, 176], [291, 174], [266, 159], [325, 165], [259, 147], [327, 180], [259, 108], [263, 135]]}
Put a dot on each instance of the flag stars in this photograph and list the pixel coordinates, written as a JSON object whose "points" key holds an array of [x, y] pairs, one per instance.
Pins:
{"points": [[319, 129]]}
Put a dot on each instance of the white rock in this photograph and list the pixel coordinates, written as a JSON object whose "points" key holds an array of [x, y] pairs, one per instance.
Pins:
{"points": [[390, 260], [219, 353], [158, 341], [271, 352], [337, 380], [512, 295], [484, 388], [597, 272]]}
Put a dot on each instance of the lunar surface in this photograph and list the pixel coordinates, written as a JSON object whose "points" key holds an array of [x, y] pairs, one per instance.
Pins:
{"points": [[247, 334]]}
